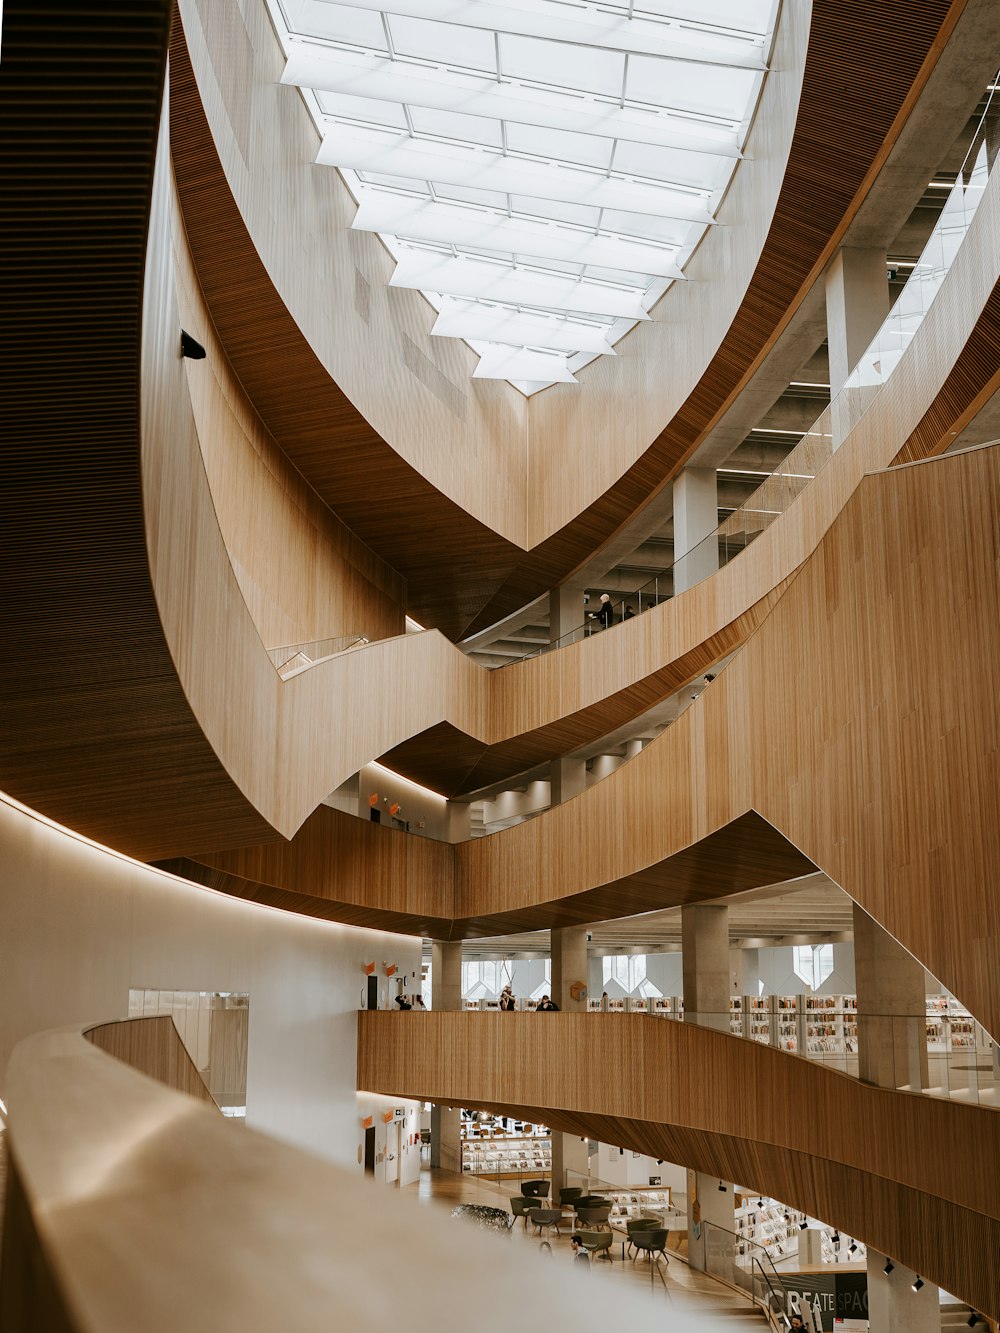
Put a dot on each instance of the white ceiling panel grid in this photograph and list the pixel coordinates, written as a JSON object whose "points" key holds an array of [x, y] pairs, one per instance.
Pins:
{"points": [[479, 321], [468, 275], [540, 170]]}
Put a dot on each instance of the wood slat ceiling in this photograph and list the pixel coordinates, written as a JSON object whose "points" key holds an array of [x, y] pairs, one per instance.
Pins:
{"points": [[91, 710], [852, 105]]}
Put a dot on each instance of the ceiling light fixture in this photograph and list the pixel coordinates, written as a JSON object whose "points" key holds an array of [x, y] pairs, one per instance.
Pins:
{"points": [[917, 1283], [722, 1188], [889, 1266]]}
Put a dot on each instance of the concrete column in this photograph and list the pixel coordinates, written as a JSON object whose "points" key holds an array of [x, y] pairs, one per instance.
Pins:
{"points": [[569, 1163], [857, 301], [892, 1053], [569, 964], [705, 943], [603, 766], [459, 821], [893, 1305], [696, 515], [709, 1207], [892, 1032], [567, 778], [566, 612], [446, 995]]}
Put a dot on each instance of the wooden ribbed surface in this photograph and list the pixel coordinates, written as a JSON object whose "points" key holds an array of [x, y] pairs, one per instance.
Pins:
{"points": [[856, 1156], [90, 706], [852, 105], [341, 868], [862, 736], [153, 1047], [970, 384]]}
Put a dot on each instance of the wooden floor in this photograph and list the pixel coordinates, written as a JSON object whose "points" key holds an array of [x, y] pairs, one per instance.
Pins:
{"points": [[687, 1296]]}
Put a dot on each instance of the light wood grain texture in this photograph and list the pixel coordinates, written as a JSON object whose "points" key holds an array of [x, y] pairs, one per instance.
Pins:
{"points": [[556, 475], [153, 1046], [141, 1209], [854, 1155], [303, 575], [859, 722]]}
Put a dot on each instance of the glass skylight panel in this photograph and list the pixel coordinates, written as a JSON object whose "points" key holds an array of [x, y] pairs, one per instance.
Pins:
{"points": [[406, 216], [367, 148], [476, 320], [370, 75], [588, 23], [467, 276], [589, 69], [540, 169], [498, 362]]}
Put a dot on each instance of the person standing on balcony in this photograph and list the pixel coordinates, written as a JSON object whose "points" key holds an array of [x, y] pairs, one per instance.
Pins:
{"points": [[507, 1002], [605, 613]]}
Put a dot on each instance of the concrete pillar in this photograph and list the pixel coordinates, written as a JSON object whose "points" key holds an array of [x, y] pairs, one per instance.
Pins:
{"points": [[570, 1163], [893, 1305], [567, 778], [603, 766], [569, 964], [446, 995], [892, 1032], [892, 1053], [566, 612], [696, 515], [705, 943], [459, 821], [711, 1243], [857, 301]]}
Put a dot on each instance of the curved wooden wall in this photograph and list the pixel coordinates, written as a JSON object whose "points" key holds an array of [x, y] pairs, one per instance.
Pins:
{"points": [[443, 721], [134, 1207], [913, 1176], [859, 722], [303, 575], [153, 1046], [289, 349]]}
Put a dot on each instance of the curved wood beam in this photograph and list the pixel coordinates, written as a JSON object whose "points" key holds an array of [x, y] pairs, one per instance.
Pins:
{"points": [[857, 1159], [865, 738], [352, 467], [119, 1187], [484, 726]]}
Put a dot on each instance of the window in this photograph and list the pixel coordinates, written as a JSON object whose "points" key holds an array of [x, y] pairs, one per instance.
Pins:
{"points": [[812, 964]]}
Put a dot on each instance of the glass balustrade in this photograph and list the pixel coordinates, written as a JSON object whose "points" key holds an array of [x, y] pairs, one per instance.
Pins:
{"points": [[817, 446]]}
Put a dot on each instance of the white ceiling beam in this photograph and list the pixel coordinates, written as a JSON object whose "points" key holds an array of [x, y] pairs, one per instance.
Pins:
{"points": [[429, 271], [443, 88], [522, 365], [475, 322], [583, 25], [444, 222], [391, 153]]}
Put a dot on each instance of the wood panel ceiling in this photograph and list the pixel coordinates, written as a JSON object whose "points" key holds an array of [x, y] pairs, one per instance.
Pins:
{"points": [[859, 1159], [91, 710], [852, 106]]}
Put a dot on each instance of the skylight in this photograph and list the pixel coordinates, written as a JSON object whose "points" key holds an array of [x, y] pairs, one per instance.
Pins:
{"points": [[541, 171]]}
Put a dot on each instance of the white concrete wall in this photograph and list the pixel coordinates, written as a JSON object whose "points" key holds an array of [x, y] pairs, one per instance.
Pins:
{"points": [[81, 925]]}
